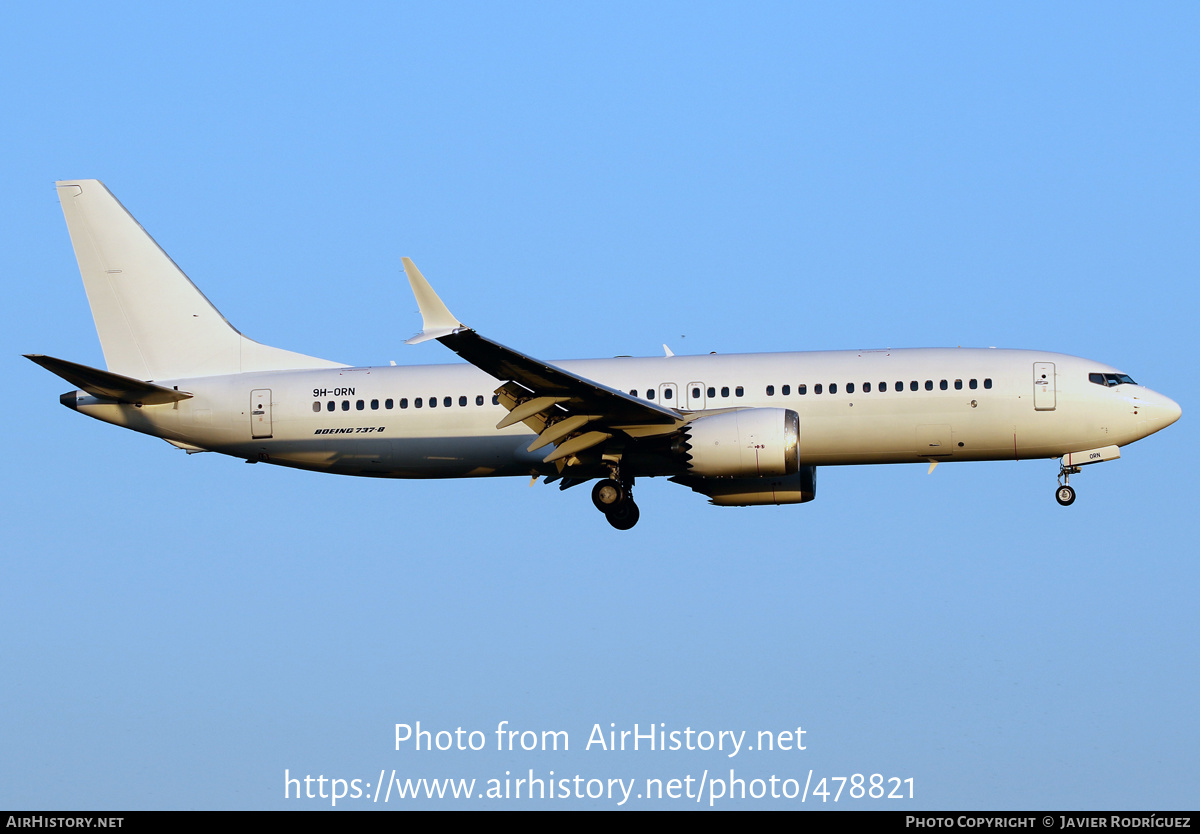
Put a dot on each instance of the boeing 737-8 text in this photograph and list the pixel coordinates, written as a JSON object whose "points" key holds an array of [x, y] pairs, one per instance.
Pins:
{"points": [[740, 429]]}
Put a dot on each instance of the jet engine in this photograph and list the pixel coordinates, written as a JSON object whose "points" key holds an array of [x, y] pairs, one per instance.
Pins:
{"points": [[747, 443], [796, 488]]}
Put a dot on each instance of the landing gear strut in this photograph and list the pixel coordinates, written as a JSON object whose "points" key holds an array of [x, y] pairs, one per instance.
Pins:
{"points": [[1065, 494], [614, 498]]}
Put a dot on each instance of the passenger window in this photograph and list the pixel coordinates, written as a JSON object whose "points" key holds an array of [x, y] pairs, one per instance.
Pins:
{"points": [[417, 402], [866, 388], [802, 390], [973, 384], [739, 391], [495, 399], [770, 390], [712, 392], [633, 392], [929, 385], [725, 391], [404, 402], [817, 389], [833, 388], [943, 385], [345, 405], [448, 401], [787, 389], [316, 407], [668, 393], [958, 385], [899, 385], [374, 405], [914, 385], [987, 383], [330, 406], [360, 405], [696, 393], [462, 401], [388, 403], [433, 402], [649, 393], [479, 399], [882, 387], [849, 387]]}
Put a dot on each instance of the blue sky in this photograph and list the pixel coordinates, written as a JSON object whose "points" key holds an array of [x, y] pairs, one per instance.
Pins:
{"points": [[586, 180]]}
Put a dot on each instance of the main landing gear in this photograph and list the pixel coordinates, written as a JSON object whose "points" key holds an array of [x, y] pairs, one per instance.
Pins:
{"points": [[1065, 494], [614, 498]]}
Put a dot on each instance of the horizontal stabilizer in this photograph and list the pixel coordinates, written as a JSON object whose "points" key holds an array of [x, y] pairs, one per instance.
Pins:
{"points": [[107, 384]]}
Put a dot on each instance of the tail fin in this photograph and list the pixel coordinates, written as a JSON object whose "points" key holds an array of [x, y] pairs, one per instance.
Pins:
{"points": [[152, 321]]}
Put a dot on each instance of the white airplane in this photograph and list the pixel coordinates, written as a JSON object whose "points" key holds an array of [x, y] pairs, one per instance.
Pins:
{"points": [[740, 429]]}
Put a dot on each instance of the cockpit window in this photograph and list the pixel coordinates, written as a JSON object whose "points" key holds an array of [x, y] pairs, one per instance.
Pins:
{"points": [[1110, 380]]}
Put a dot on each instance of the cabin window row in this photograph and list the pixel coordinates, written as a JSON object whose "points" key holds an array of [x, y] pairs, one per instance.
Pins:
{"points": [[832, 388], [669, 393], [388, 404], [881, 387]]}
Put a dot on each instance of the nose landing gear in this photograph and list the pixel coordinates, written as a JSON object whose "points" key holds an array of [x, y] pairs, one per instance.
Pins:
{"points": [[614, 498], [1065, 494], [1069, 465]]}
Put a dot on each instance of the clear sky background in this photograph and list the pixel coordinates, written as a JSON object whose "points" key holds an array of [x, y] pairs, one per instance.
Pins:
{"points": [[584, 180]]}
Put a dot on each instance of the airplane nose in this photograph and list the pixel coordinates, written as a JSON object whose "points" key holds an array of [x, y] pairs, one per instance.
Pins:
{"points": [[1171, 410], [1159, 411]]}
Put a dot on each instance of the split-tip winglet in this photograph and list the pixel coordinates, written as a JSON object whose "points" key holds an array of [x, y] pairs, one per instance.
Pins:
{"points": [[436, 319]]}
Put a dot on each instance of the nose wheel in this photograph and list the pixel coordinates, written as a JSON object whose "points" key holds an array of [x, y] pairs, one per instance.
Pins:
{"points": [[1065, 494], [614, 498]]}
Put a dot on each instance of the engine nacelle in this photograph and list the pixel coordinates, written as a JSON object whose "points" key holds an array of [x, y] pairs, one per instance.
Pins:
{"points": [[747, 443], [796, 488]]}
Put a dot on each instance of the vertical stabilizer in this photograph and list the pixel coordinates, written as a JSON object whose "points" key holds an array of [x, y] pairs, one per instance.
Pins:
{"points": [[152, 321]]}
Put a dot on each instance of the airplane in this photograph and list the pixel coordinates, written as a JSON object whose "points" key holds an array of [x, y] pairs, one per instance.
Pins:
{"points": [[742, 430]]}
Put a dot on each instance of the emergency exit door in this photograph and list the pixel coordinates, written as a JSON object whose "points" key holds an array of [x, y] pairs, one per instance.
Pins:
{"points": [[260, 413]]}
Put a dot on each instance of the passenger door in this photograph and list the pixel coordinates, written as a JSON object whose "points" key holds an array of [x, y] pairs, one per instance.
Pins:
{"points": [[260, 413], [1044, 389]]}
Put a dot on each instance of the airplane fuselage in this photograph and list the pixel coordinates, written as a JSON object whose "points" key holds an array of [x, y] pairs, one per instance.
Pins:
{"points": [[855, 407]]}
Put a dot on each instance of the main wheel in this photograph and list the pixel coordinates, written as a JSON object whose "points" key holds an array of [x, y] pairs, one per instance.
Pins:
{"points": [[1065, 496], [607, 494], [624, 515]]}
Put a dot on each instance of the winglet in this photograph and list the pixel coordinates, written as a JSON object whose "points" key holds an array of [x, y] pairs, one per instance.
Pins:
{"points": [[436, 319]]}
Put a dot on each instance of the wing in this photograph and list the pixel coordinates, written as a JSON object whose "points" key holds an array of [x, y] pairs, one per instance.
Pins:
{"points": [[572, 413]]}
